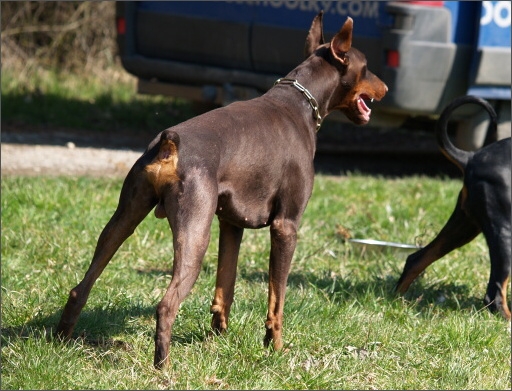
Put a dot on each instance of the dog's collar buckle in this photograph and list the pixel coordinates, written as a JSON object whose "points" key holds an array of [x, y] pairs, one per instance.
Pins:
{"points": [[311, 99]]}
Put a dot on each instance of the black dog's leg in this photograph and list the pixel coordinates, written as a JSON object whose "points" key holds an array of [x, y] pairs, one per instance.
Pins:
{"points": [[499, 249], [458, 231], [498, 237]]}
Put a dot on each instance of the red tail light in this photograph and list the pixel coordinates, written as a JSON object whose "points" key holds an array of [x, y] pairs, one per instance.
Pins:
{"points": [[121, 26], [393, 58]]}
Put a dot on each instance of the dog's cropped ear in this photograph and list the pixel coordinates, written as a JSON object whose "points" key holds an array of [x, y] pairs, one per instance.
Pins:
{"points": [[342, 42], [315, 36]]}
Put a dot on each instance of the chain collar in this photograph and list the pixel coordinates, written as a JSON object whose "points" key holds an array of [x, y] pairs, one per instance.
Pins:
{"points": [[311, 99]]}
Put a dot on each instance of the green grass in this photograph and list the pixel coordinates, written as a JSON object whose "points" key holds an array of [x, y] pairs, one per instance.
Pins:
{"points": [[344, 327]]}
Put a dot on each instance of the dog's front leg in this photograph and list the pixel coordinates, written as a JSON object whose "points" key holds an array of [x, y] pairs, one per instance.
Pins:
{"points": [[283, 239], [229, 246]]}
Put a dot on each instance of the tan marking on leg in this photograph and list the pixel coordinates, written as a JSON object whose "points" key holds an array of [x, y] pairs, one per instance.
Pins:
{"points": [[503, 292]]}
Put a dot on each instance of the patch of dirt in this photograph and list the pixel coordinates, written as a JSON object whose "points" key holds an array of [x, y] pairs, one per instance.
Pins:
{"points": [[41, 151], [49, 151], [22, 159]]}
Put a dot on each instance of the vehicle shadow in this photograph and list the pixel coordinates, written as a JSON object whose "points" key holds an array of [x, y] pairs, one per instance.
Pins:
{"points": [[104, 123]]}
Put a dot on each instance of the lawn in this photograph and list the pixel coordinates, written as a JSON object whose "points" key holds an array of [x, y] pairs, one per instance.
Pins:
{"points": [[344, 327]]}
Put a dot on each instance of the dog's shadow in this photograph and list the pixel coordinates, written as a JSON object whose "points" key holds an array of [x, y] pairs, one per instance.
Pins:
{"points": [[444, 296], [92, 331]]}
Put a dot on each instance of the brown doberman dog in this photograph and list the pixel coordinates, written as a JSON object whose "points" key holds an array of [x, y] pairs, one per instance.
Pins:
{"points": [[483, 206], [251, 164]]}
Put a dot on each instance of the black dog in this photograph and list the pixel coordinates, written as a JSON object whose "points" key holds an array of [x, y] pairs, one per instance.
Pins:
{"points": [[249, 163], [483, 206]]}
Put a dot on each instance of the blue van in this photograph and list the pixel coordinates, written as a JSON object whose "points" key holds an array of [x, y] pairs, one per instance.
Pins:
{"points": [[427, 52]]}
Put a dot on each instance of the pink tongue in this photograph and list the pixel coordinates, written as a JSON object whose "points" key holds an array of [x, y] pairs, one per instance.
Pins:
{"points": [[362, 105], [363, 109]]}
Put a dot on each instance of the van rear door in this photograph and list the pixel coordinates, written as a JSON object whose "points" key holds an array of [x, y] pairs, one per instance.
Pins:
{"points": [[490, 68]]}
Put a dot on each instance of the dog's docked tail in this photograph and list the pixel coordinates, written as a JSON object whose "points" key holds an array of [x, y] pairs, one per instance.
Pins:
{"points": [[162, 171], [458, 156]]}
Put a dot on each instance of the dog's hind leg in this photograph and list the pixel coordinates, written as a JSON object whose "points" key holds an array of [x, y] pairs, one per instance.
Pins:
{"points": [[498, 237], [229, 246], [499, 249], [458, 231], [135, 202], [190, 209]]}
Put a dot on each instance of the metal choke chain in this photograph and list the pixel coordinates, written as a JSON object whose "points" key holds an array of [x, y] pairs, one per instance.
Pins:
{"points": [[311, 99]]}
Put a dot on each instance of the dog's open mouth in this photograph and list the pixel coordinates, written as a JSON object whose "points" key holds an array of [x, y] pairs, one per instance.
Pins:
{"points": [[364, 110]]}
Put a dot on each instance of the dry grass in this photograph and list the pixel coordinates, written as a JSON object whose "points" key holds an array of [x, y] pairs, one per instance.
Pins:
{"points": [[77, 37]]}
